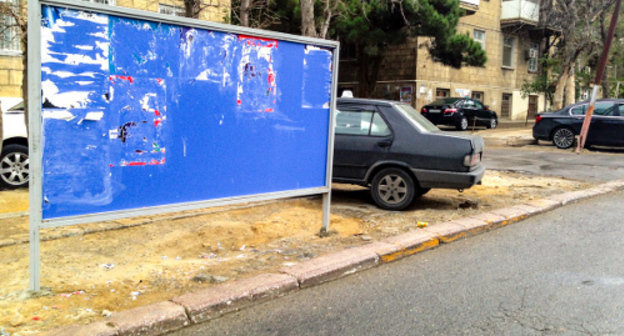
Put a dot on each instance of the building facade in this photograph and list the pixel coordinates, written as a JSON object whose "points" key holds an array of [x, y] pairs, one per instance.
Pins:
{"points": [[11, 68], [506, 29]]}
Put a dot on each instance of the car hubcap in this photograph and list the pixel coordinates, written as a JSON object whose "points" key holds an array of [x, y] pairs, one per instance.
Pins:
{"points": [[493, 123], [563, 138], [14, 169], [464, 123], [392, 189]]}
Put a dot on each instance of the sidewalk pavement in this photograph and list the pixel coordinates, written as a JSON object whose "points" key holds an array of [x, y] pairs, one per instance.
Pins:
{"points": [[510, 134], [192, 308]]}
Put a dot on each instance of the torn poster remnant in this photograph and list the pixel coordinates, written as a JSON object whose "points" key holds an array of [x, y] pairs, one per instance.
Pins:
{"points": [[257, 85]]}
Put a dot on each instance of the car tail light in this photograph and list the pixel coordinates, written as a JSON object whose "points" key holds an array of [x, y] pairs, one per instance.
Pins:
{"points": [[423, 110], [472, 159], [538, 118], [450, 110]]}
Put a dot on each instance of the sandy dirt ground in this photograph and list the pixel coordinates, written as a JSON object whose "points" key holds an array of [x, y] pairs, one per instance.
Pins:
{"points": [[91, 271]]}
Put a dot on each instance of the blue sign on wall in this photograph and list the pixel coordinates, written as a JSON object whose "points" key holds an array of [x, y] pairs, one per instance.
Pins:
{"points": [[140, 114]]}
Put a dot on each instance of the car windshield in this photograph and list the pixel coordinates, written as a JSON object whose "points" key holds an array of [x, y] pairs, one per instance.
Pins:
{"points": [[445, 101], [419, 121]]}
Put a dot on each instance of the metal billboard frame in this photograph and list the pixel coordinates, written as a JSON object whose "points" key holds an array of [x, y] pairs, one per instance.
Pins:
{"points": [[35, 136]]}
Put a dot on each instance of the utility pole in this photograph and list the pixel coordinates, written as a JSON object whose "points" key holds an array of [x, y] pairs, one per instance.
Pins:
{"points": [[601, 68]]}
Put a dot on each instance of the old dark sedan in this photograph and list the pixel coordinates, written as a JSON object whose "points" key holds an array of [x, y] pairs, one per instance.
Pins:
{"points": [[391, 148], [460, 112], [562, 127]]}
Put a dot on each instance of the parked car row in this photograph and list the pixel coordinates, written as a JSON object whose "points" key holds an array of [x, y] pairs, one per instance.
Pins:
{"points": [[387, 146]]}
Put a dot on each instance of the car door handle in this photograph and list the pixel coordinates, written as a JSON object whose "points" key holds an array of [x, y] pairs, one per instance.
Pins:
{"points": [[384, 143]]}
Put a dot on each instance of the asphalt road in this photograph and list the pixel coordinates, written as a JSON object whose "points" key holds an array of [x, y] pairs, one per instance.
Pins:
{"points": [[559, 273], [602, 165]]}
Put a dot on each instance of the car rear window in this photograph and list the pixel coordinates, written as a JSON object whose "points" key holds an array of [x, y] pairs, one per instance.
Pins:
{"points": [[419, 121]]}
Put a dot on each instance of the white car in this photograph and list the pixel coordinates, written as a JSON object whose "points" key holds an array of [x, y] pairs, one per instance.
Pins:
{"points": [[14, 157]]}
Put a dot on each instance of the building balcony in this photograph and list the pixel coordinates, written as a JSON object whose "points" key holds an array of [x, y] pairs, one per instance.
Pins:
{"points": [[516, 13], [470, 6]]}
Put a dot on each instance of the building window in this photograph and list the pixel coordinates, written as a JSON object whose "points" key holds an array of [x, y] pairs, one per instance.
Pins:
{"points": [[171, 10], [10, 34], [443, 93], [478, 95], [508, 51], [533, 53], [479, 36]]}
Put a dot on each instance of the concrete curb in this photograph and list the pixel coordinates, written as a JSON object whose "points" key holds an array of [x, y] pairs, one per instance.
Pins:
{"points": [[163, 317]]}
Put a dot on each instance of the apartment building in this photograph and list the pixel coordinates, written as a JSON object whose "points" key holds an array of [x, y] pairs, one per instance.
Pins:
{"points": [[509, 32], [11, 69]]}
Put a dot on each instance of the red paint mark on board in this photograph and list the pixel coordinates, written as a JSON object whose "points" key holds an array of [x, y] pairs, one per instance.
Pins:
{"points": [[156, 122], [126, 78], [271, 79], [268, 110], [258, 41], [110, 165], [156, 112], [160, 81], [238, 101], [136, 163], [155, 162]]}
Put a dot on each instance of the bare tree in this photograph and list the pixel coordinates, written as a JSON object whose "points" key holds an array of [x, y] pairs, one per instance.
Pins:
{"points": [[308, 27], [319, 26], [254, 13], [576, 20], [192, 8], [244, 12]]}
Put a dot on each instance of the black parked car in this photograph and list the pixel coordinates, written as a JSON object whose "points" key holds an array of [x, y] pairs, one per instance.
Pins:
{"points": [[562, 127], [391, 148], [460, 112]]}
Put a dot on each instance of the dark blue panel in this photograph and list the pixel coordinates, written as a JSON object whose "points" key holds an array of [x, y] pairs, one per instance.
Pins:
{"points": [[143, 114]]}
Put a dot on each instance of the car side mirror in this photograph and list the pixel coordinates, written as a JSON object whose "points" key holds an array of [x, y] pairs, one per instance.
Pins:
{"points": [[487, 107]]}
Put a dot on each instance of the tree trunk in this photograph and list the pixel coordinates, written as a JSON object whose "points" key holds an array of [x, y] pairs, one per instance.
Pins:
{"points": [[24, 42], [559, 89], [328, 14], [192, 8], [363, 90], [570, 88], [606, 90], [244, 12], [308, 27], [368, 70]]}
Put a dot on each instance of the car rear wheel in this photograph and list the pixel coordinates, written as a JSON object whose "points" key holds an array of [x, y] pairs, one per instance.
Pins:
{"points": [[493, 123], [462, 125], [563, 138], [393, 189], [14, 166]]}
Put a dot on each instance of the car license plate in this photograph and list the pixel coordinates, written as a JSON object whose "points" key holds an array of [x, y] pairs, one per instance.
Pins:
{"points": [[434, 111]]}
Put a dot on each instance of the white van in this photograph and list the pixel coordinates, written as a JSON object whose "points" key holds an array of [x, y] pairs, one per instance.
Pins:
{"points": [[14, 156]]}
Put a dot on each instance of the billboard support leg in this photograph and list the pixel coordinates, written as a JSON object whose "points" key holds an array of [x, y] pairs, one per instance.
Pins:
{"points": [[326, 206], [34, 257]]}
